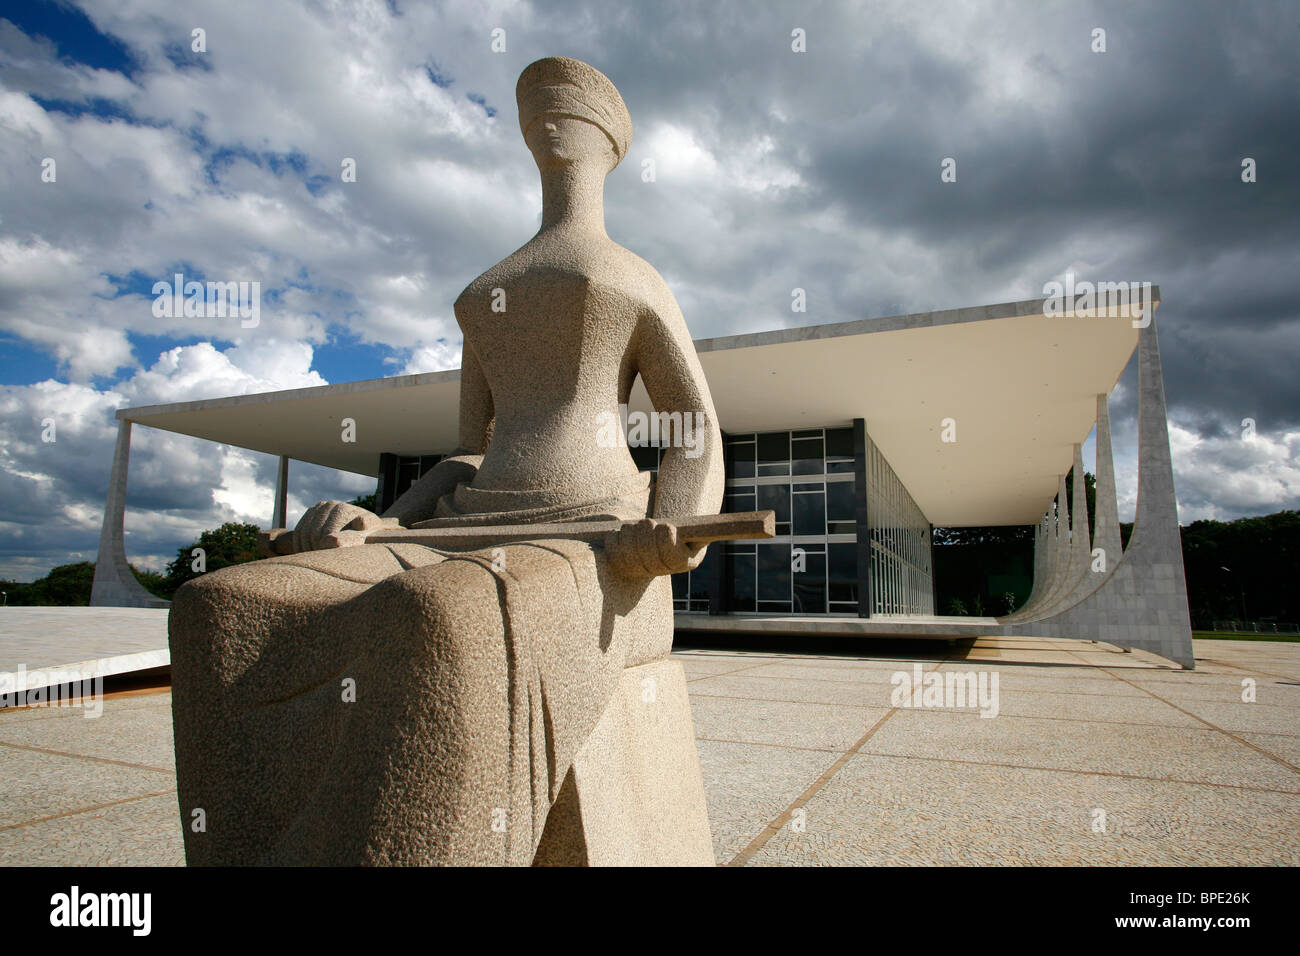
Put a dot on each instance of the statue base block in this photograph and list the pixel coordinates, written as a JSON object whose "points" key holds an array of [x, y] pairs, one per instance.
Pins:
{"points": [[634, 796]]}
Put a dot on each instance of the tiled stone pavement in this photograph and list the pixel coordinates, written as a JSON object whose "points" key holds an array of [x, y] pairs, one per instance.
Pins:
{"points": [[807, 761]]}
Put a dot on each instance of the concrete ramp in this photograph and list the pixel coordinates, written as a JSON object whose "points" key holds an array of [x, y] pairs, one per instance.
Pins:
{"points": [[44, 645]]}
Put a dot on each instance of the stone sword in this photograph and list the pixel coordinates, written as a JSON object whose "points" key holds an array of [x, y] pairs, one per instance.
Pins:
{"points": [[693, 530]]}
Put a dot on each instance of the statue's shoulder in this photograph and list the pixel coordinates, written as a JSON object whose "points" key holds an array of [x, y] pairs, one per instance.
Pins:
{"points": [[509, 267], [641, 281], [602, 264]]}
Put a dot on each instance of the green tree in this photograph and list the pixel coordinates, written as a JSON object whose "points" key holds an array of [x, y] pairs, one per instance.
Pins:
{"points": [[67, 585], [232, 543], [1090, 494], [1243, 570], [152, 581], [365, 501]]}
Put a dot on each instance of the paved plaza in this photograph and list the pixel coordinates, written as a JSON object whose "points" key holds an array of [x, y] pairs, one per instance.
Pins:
{"points": [[1095, 757]]}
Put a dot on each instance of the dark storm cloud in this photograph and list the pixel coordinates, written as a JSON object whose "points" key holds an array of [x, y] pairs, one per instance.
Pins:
{"points": [[775, 170], [1129, 160]]}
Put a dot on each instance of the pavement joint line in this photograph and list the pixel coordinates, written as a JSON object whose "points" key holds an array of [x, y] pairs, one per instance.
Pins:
{"points": [[1227, 733], [1085, 773], [774, 827], [747, 667], [972, 711], [64, 753], [1029, 666], [138, 692], [783, 700], [1248, 670], [803, 658], [880, 683], [907, 666], [48, 712], [968, 712], [73, 813], [867, 683], [756, 743]]}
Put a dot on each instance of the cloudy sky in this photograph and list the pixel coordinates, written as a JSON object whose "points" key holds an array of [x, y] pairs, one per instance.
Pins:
{"points": [[775, 170]]}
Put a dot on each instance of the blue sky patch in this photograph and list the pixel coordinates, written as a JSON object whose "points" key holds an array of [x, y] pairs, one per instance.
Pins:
{"points": [[74, 36]]}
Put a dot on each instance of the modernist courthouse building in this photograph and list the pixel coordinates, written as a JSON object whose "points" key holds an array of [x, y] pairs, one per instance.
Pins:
{"points": [[862, 437]]}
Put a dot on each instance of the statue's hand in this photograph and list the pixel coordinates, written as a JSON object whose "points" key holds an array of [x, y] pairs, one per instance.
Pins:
{"points": [[650, 548], [330, 524]]}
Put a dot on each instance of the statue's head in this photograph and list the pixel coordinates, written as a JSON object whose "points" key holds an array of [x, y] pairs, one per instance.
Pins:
{"points": [[570, 112]]}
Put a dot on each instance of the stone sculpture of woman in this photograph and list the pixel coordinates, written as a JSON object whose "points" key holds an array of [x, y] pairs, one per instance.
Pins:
{"points": [[475, 677]]}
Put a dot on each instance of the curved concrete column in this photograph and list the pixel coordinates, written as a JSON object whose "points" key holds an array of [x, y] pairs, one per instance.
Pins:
{"points": [[114, 584], [1040, 572], [1036, 572], [1077, 583], [1060, 549], [1107, 536], [1053, 563], [1038, 565], [278, 515], [1143, 601]]}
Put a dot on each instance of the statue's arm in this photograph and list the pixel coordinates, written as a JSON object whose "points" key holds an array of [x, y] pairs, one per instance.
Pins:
{"points": [[420, 501], [691, 474]]}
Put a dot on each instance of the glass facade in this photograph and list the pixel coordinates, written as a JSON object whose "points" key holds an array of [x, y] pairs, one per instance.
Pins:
{"points": [[808, 478], [810, 567], [397, 473], [902, 578]]}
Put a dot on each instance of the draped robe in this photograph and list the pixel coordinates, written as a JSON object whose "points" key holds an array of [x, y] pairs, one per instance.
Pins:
{"points": [[383, 779]]}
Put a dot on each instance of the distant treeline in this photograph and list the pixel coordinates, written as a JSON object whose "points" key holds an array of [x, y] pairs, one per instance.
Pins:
{"points": [[1243, 570], [69, 584], [1236, 570], [1246, 569]]}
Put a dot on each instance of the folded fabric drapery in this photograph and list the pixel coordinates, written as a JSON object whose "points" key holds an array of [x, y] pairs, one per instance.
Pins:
{"points": [[628, 499]]}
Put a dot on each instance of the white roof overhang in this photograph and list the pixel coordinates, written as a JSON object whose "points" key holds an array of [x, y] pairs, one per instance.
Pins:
{"points": [[1019, 385]]}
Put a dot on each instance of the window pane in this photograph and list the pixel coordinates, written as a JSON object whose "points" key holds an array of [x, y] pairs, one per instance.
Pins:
{"points": [[810, 586], [806, 455], [774, 572], [840, 502], [742, 582], [810, 514], [740, 460], [646, 458], [839, 443], [843, 572], [738, 501], [702, 578], [774, 447], [777, 498]]}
